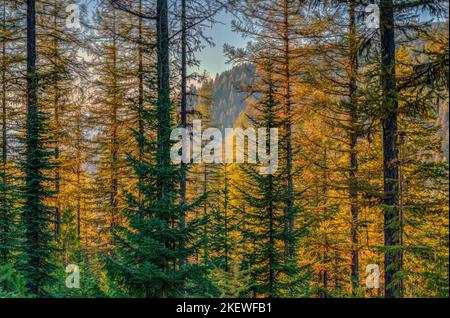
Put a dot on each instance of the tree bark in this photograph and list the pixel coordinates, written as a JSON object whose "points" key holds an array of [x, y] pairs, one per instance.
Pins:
{"points": [[183, 119], [289, 246], [392, 232], [4, 208], [33, 186], [353, 181], [162, 34]]}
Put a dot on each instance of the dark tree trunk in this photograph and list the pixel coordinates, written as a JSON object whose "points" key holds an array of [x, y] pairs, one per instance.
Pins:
{"points": [[57, 139], [205, 217], [289, 225], [78, 172], [392, 230], [183, 118], [4, 208], [141, 85], [114, 141], [272, 258], [353, 181], [162, 34], [163, 108], [225, 209], [33, 209]]}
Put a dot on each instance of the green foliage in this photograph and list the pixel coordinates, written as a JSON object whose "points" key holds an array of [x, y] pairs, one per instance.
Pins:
{"points": [[270, 267], [12, 283], [145, 261], [234, 283]]}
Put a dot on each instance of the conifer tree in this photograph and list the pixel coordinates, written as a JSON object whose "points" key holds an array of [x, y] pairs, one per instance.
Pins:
{"points": [[264, 195], [273, 23], [147, 258], [37, 249]]}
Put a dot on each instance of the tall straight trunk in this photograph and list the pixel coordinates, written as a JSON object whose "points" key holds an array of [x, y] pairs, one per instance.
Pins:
{"points": [[164, 120], [163, 106], [205, 217], [114, 138], [225, 210], [272, 260], [33, 205], [183, 119], [141, 143], [141, 84], [57, 133], [4, 208], [288, 213], [78, 173], [392, 230], [325, 256], [353, 181]]}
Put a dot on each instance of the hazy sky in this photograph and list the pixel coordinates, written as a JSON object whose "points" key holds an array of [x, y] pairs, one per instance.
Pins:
{"points": [[212, 58]]}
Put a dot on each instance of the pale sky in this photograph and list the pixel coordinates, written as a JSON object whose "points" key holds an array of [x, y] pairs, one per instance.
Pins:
{"points": [[212, 58]]}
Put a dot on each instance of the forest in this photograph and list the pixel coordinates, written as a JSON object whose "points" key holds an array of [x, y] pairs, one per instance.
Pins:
{"points": [[92, 204]]}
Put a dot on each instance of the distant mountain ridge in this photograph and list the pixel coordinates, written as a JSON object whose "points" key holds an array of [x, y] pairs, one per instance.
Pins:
{"points": [[229, 101]]}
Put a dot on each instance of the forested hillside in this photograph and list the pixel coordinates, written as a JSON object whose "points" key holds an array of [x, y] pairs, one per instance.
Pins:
{"points": [[112, 187], [229, 94], [231, 101]]}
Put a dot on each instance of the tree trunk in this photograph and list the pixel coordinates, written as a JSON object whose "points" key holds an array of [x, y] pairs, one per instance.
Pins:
{"points": [[4, 208], [272, 258], [141, 85], [353, 181], [33, 186], [225, 210], [392, 233], [78, 172], [289, 225], [163, 105], [57, 135], [183, 120], [162, 32], [114, 139]]}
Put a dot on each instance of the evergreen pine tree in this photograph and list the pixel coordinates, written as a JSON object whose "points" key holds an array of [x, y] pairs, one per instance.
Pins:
{"points": [[264, 195], [37, 249]]}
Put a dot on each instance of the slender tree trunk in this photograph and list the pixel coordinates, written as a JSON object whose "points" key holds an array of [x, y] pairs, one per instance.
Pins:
{"points": [[114, 138], [33, 208], [4, 208], [57, 134], [183, 120], [164, 122], [205, 217], [225, 210], [289, 226], [392, 230], [141, 143], [325, 257], [163, 103], [78, 172], [271, 241], [141, 84], [353, 182]]}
